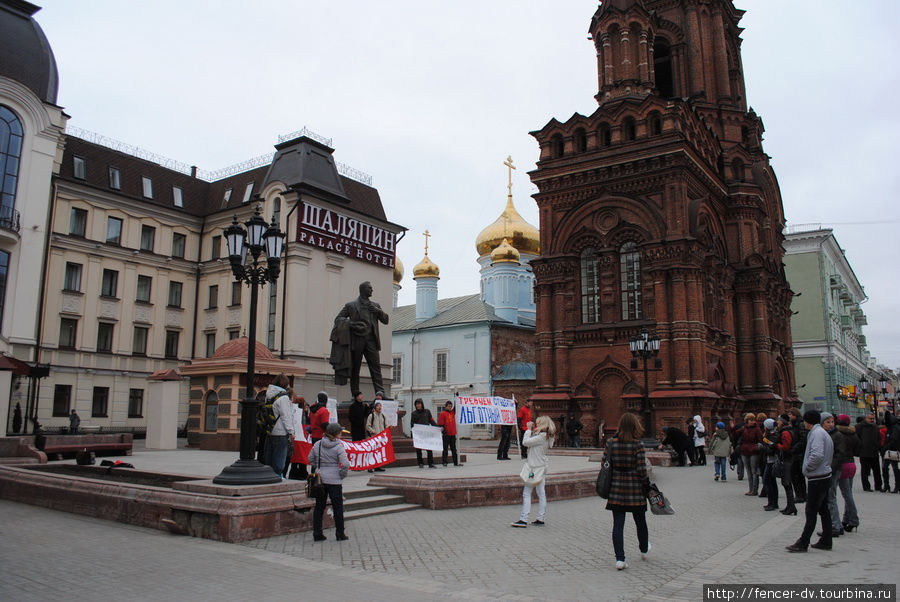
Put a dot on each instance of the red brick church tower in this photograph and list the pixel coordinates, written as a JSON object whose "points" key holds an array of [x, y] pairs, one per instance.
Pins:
{"points": [[660, 211]]}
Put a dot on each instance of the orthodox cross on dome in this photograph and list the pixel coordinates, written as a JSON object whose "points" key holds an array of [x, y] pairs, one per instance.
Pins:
{"points": [[427, 235], [510, 166]]}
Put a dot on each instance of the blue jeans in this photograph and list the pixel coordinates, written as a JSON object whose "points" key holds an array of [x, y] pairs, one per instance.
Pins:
{"points": [[276, 452], [618, 534], [722, 467], [851, 518]]}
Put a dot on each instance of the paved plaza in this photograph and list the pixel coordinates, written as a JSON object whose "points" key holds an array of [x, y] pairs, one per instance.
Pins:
{"points": [[718, 535]]}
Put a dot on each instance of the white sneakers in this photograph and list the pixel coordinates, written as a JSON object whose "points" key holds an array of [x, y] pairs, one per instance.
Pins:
{"points": [[644, 554], [621, 564]]}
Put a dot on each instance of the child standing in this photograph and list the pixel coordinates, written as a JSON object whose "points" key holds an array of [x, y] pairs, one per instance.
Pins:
{"points": [[720, 448]]}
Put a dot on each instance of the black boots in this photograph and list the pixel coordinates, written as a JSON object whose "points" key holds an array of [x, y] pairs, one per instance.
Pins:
{"points": [[797, 546]]}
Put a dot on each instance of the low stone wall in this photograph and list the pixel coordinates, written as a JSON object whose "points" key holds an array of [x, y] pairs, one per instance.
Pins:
{"points": [[20, 450]]}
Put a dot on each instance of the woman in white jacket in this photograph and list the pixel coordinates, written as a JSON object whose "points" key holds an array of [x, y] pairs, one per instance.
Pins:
{"points": [[296, 470], [700, 440], [538, 439]]}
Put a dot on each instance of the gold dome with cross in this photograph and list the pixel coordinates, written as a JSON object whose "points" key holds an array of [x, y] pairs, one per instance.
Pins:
{"points": [[510, 226]]}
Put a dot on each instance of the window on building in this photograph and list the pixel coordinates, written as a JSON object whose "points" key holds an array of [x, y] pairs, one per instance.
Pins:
{"points": [[556, 146], [139, 347], [72, 281], [210, 344], [178, 241], [4, 269], [109, 284], [440, 370], [115, 178], [78, 222], [211, 412], [100, 404], [144, 284], [236, 293], [233, 334], [213, 296], [147, 187], [62, 399], [662, 68], [172, 344], [174, 294], [105, 337], [79, 167], [248, 192], [135, 403], [580, 140], [11, 133], [590, 291], [629, 129], [176, 197], [67, 329], [630, 273], [397, 372], [216, 249], [604, 135], [655, 124], [114, 230], [148, 237], [226, 197], [273, 308]]}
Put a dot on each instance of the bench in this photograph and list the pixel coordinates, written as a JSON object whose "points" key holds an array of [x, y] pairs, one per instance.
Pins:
{"points": [[20, 450], [115, 444]]}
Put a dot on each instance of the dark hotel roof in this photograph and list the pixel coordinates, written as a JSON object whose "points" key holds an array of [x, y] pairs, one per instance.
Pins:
{"points": [[25, 54]]}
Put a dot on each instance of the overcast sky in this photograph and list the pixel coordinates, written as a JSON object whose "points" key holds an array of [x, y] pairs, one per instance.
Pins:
{"points": [[430, 97]]}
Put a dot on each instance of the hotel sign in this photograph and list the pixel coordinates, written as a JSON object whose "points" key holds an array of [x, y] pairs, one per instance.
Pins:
{"points": [[333, 231]]}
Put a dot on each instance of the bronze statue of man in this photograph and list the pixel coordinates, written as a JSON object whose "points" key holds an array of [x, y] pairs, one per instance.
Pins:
{"points": [[354, 337]]}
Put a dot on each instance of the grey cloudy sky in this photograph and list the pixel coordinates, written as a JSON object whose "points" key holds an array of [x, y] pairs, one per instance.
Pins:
{"points": [[430, 97]]}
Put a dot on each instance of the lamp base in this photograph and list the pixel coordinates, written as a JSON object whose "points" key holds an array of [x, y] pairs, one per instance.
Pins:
{"points": [[247, 472]]}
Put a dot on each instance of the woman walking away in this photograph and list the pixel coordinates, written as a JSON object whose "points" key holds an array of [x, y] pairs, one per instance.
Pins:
{"points": [[627, 491], [375, 423], [700, 441], [786, 446], [539, 437], [329, 458], [720, 448], [769, 448], [846, 446]]}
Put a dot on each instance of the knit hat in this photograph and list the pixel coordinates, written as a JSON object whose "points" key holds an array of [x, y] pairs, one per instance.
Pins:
{"points": [[826, 416], [322, 396], [769, 424], [812, 416], [720, 425], [843, 419], [334, 429]]}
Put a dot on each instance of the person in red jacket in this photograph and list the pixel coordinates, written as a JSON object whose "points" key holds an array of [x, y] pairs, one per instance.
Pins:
{"points": [[447, 421], [784, 447], [525, 417], [318, 417]]}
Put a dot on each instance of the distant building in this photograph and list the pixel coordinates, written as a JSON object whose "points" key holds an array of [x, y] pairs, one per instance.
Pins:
{"points": [[830, 354], [480, 344]]}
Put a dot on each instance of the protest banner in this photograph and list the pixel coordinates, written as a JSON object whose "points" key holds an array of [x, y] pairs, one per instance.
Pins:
{"points": [[331, 406], [389, 408], [427, 437], [301, 452], [485, 410], [369, 453]]}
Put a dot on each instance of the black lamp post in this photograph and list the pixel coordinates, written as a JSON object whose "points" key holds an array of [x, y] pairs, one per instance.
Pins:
{"points": [[259, 237], [863, 386], [646, 347], [882, 384]]}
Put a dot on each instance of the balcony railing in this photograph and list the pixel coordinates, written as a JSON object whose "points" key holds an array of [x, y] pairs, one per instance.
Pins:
{"points": [[9, 219]]}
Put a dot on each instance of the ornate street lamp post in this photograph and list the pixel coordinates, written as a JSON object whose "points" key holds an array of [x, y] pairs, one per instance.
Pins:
{"points": [[882, 384], [645, 346], [863, 386], [258, 237]]}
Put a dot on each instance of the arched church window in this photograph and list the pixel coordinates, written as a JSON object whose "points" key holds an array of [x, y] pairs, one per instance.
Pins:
{"points": [[655, 124], [10, 152], [604, 135], [629, 128], [590, 290], [211, 412], [737, 170], [630, 281], [662, 67], [556, 146], [580, 140]]}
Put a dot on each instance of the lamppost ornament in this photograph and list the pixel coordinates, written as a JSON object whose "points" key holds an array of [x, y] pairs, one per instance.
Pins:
{"points": [[645, 346], [245, 247]]}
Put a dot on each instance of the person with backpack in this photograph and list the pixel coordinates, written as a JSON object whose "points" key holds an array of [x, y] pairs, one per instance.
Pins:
{"points": [[281, 436]]}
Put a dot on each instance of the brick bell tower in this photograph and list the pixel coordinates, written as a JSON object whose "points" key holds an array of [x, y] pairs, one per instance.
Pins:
{"points": [[661, 211]]}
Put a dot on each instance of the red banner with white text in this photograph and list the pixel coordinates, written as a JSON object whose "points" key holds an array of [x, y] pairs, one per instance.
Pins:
{"points": [[369, 453]]}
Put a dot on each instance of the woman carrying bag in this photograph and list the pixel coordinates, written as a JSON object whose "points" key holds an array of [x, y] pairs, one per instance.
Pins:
{"points": [[330, 460], [375, 423], [627, 492], [538, 439]]}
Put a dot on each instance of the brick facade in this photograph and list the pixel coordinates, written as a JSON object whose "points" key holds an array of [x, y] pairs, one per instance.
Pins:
{"points": [[665, 183], [512, 345]]}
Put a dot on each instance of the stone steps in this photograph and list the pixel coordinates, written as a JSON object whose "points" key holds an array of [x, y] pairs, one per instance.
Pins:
{"points": [[373, 501]]}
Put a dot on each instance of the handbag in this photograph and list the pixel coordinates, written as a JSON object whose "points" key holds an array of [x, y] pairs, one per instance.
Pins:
{"points": [[659, 504], [778, 468], [532, 476], [892, 455], [315, 488], [604, 480]]}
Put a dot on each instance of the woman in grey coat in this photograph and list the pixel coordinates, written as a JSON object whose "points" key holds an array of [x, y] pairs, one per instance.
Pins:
{"points": [[329, 458]]}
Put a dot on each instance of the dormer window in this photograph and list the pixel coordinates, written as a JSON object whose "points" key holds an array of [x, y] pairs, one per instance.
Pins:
{"points": [[176, 196], [248, 192], [147, 187], [79, 168], [115, 178]]}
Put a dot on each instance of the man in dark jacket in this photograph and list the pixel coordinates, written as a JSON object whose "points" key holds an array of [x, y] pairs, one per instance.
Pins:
{"points": [[867, 431], [679, 441], [422, 415], [799, 434], [891, 443], [357, 415]]}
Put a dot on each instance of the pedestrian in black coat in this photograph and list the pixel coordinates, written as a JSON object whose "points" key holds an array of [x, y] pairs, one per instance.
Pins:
{"points": [[680, 442]]}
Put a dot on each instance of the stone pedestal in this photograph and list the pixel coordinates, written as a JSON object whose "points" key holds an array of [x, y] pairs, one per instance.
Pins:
{"points": [[162, 410]]}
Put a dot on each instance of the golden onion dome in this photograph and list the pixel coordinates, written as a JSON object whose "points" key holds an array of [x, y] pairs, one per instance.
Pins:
{"points": [[505, 253], [512, 227], [398, 270], [426, 269]]}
